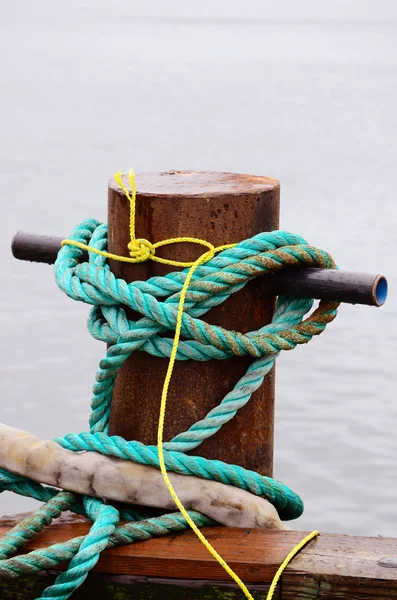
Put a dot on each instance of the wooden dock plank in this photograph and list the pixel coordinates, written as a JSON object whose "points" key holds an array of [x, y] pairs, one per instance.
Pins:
{"points": [[330, 567], [103, 587], [255, 557], [343, 567]]}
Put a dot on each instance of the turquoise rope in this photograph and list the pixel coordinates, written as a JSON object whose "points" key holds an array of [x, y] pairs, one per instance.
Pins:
{"points": [[157, 300]]}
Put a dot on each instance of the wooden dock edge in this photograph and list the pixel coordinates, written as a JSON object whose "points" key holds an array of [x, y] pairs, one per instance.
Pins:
{"points": [[178, 566]]}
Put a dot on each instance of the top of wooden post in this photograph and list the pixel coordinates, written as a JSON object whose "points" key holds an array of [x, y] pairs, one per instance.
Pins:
{"points": [[197, 184]]}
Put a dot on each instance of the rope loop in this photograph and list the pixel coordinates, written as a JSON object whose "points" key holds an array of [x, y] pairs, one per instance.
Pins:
{"points": [[177, 263]]}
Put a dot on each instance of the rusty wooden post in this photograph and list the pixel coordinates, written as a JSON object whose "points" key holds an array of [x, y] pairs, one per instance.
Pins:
{"points": [[221, 208]]}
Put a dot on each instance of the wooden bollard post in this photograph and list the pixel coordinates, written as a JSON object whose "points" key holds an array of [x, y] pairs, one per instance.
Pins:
{"points": [[221, 208]]}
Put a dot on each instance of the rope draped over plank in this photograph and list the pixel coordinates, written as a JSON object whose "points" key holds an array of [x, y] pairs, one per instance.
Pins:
{"points": [[158, 300]]}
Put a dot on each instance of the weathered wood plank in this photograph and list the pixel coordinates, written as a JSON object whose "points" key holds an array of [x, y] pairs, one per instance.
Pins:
{"points": [[103, 587], [306, 587], [343, 567], [344, 555], [329, 568], [182, 556]]}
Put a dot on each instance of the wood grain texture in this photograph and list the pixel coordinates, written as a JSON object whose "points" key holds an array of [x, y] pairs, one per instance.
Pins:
{"points": [[221, 208], [306, 587], [104, 587], [330, 567], [182, 556], [343, 567]]}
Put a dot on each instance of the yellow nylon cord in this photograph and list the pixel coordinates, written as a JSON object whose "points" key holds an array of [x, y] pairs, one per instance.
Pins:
{"points": [[203, 258], [147, 245], [140, 251]]}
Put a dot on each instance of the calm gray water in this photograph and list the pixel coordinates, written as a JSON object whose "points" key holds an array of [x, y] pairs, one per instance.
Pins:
{"points": [[306, 94]]}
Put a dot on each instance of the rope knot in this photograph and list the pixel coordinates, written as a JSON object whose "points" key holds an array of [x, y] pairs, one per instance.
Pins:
{"points": [[141, 250]]}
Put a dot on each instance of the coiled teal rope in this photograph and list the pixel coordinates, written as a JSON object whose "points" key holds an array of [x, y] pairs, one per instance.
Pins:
{"points": [[157, 301]]}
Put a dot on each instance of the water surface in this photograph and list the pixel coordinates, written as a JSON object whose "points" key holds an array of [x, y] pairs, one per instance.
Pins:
{"points": [[308, 97]]}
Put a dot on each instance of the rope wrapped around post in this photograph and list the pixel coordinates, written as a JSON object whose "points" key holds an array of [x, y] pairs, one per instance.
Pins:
{"points": [[157, 301]]}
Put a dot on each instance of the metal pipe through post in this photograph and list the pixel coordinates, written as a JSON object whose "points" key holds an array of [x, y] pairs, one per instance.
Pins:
{"points": [[323, 284]]}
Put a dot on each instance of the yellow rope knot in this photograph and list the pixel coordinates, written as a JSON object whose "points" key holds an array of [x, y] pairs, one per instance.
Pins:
{"points": [[141, 250]]}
